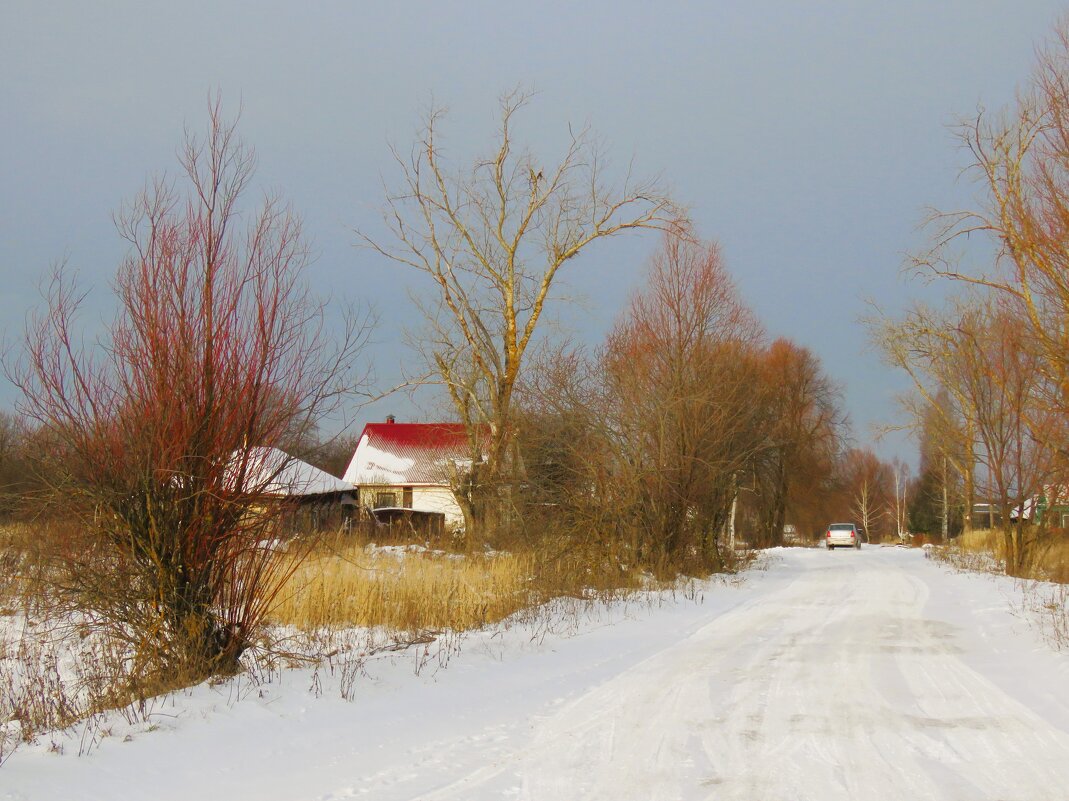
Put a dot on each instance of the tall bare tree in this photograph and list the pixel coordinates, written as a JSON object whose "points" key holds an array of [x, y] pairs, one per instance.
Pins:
{"points": [[899, 512], [1007, 390], [924, 345], [1021, 160], [493, 238]]}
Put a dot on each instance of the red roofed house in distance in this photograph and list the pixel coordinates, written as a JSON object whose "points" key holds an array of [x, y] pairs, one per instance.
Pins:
{"points": [[408, 465]]}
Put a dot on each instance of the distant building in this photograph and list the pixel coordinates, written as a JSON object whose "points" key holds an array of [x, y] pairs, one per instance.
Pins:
{"points": [[987, 515], [302, 496], [273, 473], [408, 466], [1051, 507]]}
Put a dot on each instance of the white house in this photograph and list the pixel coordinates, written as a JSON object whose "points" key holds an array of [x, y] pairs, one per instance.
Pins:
{"points": [[407, 466]]}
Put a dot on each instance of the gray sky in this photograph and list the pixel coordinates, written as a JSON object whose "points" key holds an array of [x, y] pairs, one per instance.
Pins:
{"points": [[807, 138]]}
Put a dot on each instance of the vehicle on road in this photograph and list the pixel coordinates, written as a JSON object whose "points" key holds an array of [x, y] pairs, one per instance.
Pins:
{"points": [[843, 534]]}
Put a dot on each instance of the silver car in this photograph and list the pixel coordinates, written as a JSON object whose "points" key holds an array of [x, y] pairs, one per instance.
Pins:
{"points": [[846, 534]]}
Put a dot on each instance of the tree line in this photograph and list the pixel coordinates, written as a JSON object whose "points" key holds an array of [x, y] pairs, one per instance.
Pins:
{"points": [[990, 365]]}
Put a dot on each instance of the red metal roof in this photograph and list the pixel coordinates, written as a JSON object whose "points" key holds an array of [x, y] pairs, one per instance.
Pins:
{"points": [[423, 436], [408, 453]]}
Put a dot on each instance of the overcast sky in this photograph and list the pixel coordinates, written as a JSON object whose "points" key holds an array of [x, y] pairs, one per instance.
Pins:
{"points": [[806, 137]]}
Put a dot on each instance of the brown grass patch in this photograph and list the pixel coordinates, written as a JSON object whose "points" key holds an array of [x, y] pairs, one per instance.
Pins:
{"points": [[27, 558], [1050, 557], [410, 588], [981, 541], [403, 589]]}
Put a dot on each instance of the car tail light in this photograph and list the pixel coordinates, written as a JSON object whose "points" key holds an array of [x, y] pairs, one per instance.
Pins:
{"points": [[853, 535], [829, 534]]}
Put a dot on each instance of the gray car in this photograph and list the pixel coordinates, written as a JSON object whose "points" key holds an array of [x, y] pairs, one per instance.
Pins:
{"points": [[843, 534]]}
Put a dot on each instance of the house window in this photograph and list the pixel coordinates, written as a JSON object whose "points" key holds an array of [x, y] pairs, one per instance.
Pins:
{"points": [[383, 499], [406, 495]]}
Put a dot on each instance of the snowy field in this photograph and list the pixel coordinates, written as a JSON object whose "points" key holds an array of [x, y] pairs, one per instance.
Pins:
{"points": [[849, 675]]}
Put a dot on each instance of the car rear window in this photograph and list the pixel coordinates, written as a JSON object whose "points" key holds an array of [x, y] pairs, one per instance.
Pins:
{"points": [[842, 526]]}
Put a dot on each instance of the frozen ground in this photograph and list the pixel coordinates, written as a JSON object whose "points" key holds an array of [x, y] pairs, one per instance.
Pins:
{"points": [[849, 675]]}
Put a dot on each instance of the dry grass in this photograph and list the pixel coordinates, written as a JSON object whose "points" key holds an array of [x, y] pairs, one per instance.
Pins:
{"points": [[1050, 561], [981, 545], [51, 679], [1053, 559], [1044, 587], [58, 666], [26, 555], [410, 588], [403, 589], [14, 538], [981, 540]]}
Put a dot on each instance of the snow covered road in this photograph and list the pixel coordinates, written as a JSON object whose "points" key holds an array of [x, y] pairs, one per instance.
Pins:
{"points": [[846, 675], [844, 683]]}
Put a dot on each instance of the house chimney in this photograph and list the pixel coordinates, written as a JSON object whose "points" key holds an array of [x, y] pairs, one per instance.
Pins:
{"points": [[391, 419]]}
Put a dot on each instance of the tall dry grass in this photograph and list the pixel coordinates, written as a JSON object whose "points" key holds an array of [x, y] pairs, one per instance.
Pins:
{"points": [[29, 558], [16, 565], [1049, 560], [1044, 585], [10, 568], [406, 589], [410, 588], [981, 541]]}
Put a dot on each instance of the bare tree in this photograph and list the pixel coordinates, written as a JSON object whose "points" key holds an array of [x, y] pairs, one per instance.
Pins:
{"points": [[805, 435], [658, 442], [577, 488], [682, 371], [864, 508], [900, 512], [1003, 374], [1020, 159], [869, 485], [218, 347], [939, 412], [984, 411], [492, 238]]}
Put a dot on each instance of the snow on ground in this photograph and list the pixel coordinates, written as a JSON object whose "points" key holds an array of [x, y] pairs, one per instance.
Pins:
{"points": [[875, 674]]}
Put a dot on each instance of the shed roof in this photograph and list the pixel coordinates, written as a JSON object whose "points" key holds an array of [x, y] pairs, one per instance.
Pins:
{"points": [[275, 472]]}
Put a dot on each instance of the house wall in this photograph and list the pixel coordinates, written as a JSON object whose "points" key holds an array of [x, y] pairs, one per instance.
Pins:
{"points": [[424, 499], [438, 499], [369, 492]]}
